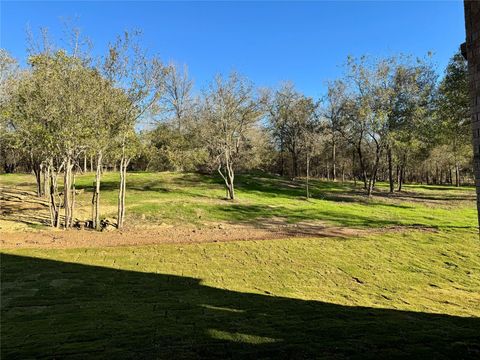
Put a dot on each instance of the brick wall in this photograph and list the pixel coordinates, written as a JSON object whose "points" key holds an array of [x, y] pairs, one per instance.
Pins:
{"points": [[472, 49]]}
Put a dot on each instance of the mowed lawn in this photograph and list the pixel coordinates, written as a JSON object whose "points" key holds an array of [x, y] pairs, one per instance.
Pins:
{"points": [[192, 199], [408, 289]]}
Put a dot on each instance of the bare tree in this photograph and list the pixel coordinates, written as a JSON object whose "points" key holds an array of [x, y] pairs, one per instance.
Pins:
{"points": [[177, 96], [229, 111]]}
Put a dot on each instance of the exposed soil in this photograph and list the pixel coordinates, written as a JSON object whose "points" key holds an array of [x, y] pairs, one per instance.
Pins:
{"points": [[21, 212], [169, 234]]}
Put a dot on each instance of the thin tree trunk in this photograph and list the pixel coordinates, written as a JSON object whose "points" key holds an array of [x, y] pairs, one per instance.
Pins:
{"points": [[120, 198], [308, 174], [230, 177], [38, 177], [353, 169], [458, 180], [362, 167], [295, 164], [96, 194], [457, 175], [390, 170], [121, 194], [66, 191], [282, 164], [400, 178], [72, 202], [54, 207], [45, 172], [334, 159], [231, 189], [373, 175]]}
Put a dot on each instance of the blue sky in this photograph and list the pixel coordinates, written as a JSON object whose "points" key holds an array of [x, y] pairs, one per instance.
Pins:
{"points": [[270, 42]]}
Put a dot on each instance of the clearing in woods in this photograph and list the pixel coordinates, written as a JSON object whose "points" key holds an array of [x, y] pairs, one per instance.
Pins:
{"points": [[339, 274]]}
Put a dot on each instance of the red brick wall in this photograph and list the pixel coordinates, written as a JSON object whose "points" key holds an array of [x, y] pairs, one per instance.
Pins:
{"points": [[472, 26]]}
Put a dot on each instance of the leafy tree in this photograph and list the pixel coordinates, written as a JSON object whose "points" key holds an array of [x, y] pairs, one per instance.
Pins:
{"points": [[453, 106], [229, 111], [141, 78], [289, 113]]}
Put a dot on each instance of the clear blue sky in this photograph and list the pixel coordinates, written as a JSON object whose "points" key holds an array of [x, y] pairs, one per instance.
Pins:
{"points": [[269, 42]]}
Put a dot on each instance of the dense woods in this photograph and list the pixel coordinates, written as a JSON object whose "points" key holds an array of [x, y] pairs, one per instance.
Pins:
{"points": [[392, 119]]}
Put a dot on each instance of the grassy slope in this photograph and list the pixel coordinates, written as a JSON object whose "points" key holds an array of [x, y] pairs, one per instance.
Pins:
{"points": [[278, 298], [393, 294], [195, 199]]}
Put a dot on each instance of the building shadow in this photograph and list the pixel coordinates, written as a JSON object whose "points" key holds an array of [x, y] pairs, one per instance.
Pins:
{"points": [[59, 310]]}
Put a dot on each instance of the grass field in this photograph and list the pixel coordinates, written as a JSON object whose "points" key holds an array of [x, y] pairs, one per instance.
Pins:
{"points": [[409, 287], [182, 199]]}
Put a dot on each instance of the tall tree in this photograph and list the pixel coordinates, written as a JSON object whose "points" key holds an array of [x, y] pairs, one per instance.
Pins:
{"points": [[229, 112], [177, 97], [454, 111], [288, 113], [334, 113], [141, 78]]}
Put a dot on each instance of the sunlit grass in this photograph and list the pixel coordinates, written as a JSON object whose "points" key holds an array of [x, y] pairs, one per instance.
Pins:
{"points": [[209, 300], [411, 287], [175, 198]]}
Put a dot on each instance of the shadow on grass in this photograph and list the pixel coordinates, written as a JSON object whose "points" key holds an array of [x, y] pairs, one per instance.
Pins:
{"points": [[422, 197], [23, 207], [59, 310], [259, 215], [442, 187]]}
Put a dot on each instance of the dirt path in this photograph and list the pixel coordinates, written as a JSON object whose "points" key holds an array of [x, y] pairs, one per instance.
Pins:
{"points": [[274, 229]]}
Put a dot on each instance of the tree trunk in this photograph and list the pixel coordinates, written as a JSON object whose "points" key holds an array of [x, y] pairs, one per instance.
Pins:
{"points": [[230, 189], [308, 174], [362, 167], [295, 164], [282, 164], [46, 175], [400, 178], [66, 191], [334, 159], [373, 175], [353, 169], [72, 202], [37, 171], [230, 179], [122, 191], [96, 194], [390, 170], [52, 193], [120, 197], [229, 175], [457, 175]]}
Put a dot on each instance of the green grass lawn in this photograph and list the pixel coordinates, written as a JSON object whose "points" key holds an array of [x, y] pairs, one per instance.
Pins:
{"points": [[412, 295], [174, 198], [412, 291]]}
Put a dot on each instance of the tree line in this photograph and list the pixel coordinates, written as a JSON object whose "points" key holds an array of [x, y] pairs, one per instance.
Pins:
{"points": [[387, 119]]}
